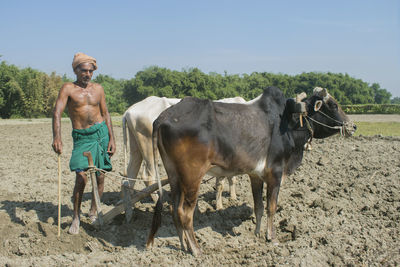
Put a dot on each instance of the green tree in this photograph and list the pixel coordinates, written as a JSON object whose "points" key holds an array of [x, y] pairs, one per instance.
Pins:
{"points": [[11, 94], [381, 96], [31, 93], [395, 100], [113, 90], [51, 86]]}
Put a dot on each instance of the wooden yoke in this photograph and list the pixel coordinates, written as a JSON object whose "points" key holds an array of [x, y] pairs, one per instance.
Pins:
{"points": [[301, 106], [95, 190]]}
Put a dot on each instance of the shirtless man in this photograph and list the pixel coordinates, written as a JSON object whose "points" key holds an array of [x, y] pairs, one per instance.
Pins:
{"points": [[92, 130]]}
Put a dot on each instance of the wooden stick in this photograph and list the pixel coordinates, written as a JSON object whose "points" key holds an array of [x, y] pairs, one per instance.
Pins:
{"points": [[59, 195], [301, 120]]}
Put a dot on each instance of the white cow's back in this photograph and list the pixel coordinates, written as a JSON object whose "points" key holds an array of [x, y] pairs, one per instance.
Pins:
{"points": [[150, 108]]}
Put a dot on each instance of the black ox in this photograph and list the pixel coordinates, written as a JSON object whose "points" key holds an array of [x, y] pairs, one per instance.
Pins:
{"points": [[263, 138]]}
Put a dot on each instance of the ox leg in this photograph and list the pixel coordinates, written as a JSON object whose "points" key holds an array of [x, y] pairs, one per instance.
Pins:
{"points": [[176, 196], [219, 184], [149, 171], [187, 205], [232, 187], [257, 189], [189, 189], [135, 161], [127, 186], [273, 186]]}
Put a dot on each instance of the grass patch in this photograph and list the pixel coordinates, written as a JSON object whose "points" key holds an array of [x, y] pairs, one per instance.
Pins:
{"points": [[376, 128]]}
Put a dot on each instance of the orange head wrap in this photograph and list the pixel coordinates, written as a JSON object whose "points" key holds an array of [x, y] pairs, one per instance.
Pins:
{"points": [[80, 58]]}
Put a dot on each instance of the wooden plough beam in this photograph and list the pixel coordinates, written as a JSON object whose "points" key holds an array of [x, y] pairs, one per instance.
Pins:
{"points": [[110, 215], [125, 205], [92, 172]]}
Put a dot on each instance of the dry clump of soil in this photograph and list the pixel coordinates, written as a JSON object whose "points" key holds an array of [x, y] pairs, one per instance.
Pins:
{"points": [[341, 207]]}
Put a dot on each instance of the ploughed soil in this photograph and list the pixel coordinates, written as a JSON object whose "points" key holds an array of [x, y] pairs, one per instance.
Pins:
{"points": [[340, 208]]}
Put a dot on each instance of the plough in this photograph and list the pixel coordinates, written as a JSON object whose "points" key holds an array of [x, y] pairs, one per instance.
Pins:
{"points": [[124, 205]]}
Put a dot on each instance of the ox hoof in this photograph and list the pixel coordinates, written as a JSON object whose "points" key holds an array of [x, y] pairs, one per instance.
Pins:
{"points": [[196, 252], [154, 197], [92, 218], [273, 241]]}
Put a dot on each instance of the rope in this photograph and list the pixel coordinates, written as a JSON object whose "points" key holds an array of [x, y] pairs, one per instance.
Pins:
{"points": [[308, 144], [341, 128], [131, 179], [341, 122], [117, 176]]}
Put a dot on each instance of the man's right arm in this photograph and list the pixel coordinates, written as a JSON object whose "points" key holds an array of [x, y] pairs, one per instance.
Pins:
{"points": [[59, 107]]}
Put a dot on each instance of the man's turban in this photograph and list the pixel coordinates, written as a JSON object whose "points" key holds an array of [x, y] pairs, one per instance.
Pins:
{"points": [[80, 58]]}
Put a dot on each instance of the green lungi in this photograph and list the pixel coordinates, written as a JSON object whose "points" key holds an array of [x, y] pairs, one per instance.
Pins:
{"points": [[94, 139]]}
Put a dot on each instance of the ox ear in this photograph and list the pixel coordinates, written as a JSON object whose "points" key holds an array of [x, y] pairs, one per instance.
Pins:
{"points": [[317, 105]]}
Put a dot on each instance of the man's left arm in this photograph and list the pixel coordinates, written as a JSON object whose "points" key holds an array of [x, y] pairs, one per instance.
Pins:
{"points": [[107, 118]]}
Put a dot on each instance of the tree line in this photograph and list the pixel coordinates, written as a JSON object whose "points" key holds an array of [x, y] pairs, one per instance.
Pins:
{"points": [[29, 93]]}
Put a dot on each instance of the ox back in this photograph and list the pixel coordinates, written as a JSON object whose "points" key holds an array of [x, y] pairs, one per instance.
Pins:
{"points": [[236, 137]]}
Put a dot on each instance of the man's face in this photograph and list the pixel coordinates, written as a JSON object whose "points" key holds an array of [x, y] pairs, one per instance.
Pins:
{"points": [[84, 73]]}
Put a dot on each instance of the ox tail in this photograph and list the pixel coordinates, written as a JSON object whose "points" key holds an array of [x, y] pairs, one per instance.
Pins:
{"points": [[156, 223], [155, 151], [125, 143]]}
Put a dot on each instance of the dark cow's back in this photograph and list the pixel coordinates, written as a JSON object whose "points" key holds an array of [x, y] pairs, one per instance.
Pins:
{"points": [[236, 133]]}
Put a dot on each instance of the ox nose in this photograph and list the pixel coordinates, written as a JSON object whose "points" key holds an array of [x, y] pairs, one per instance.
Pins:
{"points": [[354, 126], [349, 128]]}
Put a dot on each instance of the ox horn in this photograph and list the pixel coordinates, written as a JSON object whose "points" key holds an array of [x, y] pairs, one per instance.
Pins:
{"points": [[300, 107], [322, 92]]}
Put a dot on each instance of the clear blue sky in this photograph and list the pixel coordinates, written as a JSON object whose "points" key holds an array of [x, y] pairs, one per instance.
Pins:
{"points": [[361, 38]]}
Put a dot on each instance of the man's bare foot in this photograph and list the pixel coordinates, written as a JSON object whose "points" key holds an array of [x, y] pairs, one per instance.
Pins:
{"points": [[74, 228]]}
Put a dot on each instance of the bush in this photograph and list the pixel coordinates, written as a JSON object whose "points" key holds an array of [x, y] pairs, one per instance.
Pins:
{"points": [[372, 109]]}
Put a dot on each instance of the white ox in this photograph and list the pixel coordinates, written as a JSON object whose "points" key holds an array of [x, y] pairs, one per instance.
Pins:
{"points": [[139, 118]]}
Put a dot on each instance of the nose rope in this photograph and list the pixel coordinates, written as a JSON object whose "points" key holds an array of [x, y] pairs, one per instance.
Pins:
{"points": [[341, 128], [329, 117]]}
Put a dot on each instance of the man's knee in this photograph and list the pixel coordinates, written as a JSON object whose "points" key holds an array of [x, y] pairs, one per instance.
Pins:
{"points": [[81, 178]]}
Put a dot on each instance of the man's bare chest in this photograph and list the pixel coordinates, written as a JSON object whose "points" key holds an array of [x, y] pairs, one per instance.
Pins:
{"points": [[84, 97]]}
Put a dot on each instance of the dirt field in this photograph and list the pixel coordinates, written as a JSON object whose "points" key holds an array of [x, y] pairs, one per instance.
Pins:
{"points": [[341, 208]]}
